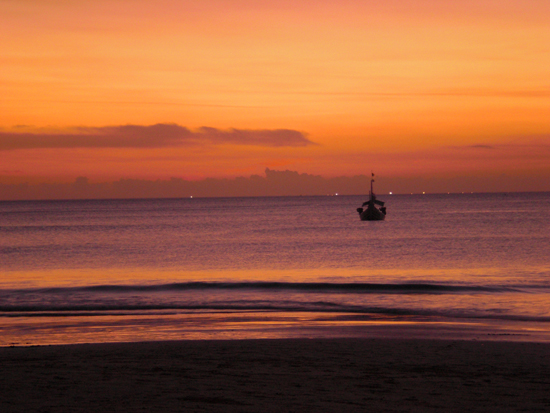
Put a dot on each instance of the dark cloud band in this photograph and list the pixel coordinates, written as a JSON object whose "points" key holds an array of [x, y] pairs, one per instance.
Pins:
{"points": [[154, 136]]}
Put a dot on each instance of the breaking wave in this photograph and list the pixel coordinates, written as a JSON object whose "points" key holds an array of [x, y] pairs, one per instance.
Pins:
{"points": [[355, 288], [368, 300]]}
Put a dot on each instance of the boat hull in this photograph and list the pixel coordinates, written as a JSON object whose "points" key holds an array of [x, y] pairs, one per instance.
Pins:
{"points": [[372, 214]]}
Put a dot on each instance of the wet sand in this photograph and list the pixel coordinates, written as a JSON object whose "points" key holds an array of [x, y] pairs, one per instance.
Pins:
{"points": [[329, 375]]}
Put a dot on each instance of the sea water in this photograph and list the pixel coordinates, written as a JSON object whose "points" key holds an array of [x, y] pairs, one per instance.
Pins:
{"points": [[449, 265]]}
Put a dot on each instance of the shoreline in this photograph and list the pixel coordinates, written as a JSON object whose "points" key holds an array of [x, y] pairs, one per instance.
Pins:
{"points": [[272, 375], [51, 331]]}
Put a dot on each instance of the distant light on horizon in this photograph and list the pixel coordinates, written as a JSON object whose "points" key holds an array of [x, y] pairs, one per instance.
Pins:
{"points": [[391, 193]]}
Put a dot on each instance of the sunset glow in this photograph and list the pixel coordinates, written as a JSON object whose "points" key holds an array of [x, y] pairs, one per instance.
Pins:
{"points": [[111, 89]]}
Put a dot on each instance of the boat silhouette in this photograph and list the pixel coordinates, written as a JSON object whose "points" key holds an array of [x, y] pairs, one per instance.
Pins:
{"points": [[372, 212]]}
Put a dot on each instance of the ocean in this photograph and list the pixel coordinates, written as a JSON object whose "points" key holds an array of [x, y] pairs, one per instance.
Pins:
{"points": [[440, 266]]}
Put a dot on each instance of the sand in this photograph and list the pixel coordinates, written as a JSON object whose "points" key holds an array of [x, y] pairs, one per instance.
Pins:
{"points": [[333, 375]]}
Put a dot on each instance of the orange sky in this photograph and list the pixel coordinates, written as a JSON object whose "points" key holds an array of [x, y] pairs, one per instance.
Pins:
{"points": [[407, 88]]}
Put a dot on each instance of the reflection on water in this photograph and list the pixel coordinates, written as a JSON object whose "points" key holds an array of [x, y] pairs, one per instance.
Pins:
{"points": [[23, 331]]}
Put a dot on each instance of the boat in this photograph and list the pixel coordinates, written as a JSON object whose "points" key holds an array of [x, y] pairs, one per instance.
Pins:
{"points": [[372, 212]]}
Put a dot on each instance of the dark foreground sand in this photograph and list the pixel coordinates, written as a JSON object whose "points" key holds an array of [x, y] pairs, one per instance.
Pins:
{"points": [[341, 375]]}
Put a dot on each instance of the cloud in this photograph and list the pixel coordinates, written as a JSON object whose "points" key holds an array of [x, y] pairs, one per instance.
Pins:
{"points": [[480, 147], [533, 143], [160, 135]]}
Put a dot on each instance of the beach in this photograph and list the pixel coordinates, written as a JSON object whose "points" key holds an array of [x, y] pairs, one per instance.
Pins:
{"points": [[330, 375]]}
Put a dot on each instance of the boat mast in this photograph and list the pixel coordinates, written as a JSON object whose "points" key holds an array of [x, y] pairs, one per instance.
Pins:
{"points": [[371, 181]]}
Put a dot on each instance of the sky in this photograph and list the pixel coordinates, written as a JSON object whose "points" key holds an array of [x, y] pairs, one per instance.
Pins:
{"points": [[136, 89]]}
